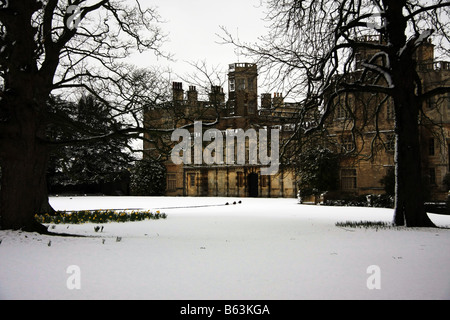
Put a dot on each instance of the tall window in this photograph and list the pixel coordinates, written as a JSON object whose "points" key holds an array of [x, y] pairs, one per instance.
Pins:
{"points": [[348, 179], [347, 143], [240, 179], [251, 84], [390, 143], [431, 147], [192, 179], [341, 113], [344, 107], [171, 182], [241, 84], [232, 85], [231, 108]]}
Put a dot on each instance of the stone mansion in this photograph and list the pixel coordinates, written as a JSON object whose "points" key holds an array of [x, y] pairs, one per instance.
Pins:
{"points": [[246, 109]]}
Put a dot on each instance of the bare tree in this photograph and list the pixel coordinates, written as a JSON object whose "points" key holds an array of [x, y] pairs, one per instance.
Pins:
{"points": [[312, 50], [62, 46]]}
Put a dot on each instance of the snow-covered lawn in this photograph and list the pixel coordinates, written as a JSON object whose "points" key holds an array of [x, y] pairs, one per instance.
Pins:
{"points": [[261, 249]]}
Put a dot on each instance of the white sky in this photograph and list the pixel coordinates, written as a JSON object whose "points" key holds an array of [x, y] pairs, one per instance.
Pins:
{"points": [[193, 27]]}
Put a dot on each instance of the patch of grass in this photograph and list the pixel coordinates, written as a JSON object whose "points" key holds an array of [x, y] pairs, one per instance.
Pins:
{"points": [[98, 216], [365, 224], [381, 225]]}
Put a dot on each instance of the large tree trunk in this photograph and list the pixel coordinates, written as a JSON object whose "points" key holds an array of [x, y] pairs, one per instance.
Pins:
{"points": [[409, 203], [23, 154], [24, 161], [22, 190]]}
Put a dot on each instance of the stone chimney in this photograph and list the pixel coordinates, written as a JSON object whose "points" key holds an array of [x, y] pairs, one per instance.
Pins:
{"points": [[177, 91], [266, 101], [278, 100], [217, 95], [192, 96]]}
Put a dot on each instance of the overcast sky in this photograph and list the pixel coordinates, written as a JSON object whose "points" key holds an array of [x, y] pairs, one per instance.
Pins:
{"points": [[193, 27]]}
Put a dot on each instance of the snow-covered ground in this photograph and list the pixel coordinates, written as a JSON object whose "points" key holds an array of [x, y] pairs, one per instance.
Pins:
{"points": [[261, 249]]}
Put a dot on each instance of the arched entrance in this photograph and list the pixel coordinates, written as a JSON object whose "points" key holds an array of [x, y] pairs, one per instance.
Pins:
{"points": [[252, 184]]}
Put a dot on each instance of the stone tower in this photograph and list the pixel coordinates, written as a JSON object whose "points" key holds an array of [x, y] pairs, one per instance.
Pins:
{"points": [[243, 90]]}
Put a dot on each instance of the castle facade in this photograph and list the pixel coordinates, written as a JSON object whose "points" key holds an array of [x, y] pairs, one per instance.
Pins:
{"points": [[246, 110]]}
